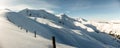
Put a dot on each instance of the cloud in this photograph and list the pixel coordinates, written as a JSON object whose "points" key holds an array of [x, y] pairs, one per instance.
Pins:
{"points": [[4, 3], [21, 4], [36, 3]]}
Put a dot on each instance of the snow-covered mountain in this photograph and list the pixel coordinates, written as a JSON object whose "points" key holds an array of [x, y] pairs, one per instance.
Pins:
{"points": [[17, 31], [81, 20], [12, 35]]}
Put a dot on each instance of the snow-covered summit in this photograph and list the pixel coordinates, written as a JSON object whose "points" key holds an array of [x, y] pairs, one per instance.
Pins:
{"points": [[81, 19], [64, 15], [38, 13]]}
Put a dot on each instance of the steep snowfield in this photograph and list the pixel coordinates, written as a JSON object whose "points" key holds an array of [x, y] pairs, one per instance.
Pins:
{"points": [[63, 35], [69, 32], [70, 26], [12, 36]]}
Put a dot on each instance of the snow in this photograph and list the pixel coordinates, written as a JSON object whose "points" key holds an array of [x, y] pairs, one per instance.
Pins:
{"points": [[69, 32], [39, 13], [12, 36]]}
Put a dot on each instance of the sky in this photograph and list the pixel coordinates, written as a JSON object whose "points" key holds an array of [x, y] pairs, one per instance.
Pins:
{"points": [[101, 10]]}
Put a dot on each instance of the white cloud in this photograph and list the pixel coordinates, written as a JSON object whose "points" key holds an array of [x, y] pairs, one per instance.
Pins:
{"points": [[5, 3], [37, 3], [17, 5]]}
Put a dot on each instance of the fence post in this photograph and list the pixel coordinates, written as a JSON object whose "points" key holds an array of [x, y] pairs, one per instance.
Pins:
{"points": [[35, 34], [53, 41], [26, 31]]}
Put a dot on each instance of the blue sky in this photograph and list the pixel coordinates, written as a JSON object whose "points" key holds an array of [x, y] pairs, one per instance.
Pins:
{"points": [[88, 9]]}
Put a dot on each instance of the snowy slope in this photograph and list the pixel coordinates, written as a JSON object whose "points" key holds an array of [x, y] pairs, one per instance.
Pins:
{"points": [[69, 25], [64, 36], [12, 36], [69, 32]]}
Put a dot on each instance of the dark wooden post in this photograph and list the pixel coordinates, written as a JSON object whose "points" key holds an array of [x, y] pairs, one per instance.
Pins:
{"points": [[26, 31], [35, 34], [53, 41]]}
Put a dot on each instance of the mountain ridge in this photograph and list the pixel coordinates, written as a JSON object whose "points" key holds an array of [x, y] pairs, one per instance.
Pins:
{"points": [[68, 31]]}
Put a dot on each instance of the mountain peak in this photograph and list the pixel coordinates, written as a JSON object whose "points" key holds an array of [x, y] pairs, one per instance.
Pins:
{"points": [[33, 12], [81, 19], [64, 15]]}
